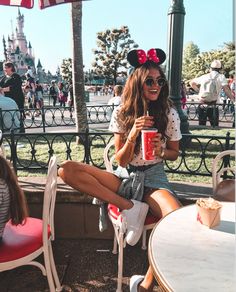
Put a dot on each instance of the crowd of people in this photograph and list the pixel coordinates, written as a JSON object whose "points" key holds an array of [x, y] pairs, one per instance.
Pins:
{"points": [[27, 91], [21, 92]]}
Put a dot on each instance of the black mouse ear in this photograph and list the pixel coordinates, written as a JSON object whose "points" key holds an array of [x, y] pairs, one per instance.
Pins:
{"points": [[136, 58], [156, 55]]}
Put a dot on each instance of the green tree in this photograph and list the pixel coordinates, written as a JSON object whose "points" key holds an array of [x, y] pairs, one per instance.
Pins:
{"points": [[66, 69], [110, 57], [191, 51], [228, 58], [201, 63]]}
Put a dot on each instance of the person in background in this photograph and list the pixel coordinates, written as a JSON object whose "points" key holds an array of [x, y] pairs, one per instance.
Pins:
{"points": [[12, 87], [71, 95], [62, 95], [53, 92], [10, 119], [231, 79], [232, 86], [146, 91], [232, 105], [116, 99], [223, 98], [30, 72], [29, 99], [12, 200], [12, 84], [32, 85], [208, 109], [38, 101], [183, 94]]}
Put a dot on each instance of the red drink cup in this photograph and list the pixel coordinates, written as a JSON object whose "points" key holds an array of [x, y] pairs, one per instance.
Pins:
{"points": [[147, 146]]}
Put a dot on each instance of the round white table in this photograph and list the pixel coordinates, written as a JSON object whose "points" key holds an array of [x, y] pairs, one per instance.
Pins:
{"points": [[188, 256]]}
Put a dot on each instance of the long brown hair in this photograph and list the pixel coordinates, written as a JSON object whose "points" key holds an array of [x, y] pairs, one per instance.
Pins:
{"points": [[135, 104], [18, 207]]}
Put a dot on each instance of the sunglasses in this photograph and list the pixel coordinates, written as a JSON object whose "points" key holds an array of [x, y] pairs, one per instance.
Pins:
{"points": [[159, 81]]}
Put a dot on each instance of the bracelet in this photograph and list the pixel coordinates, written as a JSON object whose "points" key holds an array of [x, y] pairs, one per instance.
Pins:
{"points": [[162, 153], [130, 141]]}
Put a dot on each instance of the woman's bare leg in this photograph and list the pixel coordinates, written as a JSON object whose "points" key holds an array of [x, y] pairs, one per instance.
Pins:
{"points": [[161, 203], [93, 181], [148, 281]]}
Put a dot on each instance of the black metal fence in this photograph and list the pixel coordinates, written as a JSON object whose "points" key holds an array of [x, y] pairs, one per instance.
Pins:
{"points": [[49, 117], [226, 111], [31, 152]]}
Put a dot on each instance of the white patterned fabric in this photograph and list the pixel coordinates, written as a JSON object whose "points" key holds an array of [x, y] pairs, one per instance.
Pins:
{"points": [[4, 205], [172, 131]]}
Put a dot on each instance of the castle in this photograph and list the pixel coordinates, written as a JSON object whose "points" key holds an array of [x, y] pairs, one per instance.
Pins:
{"points": [[18, 51]]}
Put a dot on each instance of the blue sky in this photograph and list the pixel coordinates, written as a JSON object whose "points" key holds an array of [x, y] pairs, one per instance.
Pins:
{"points": [[208, 23]]}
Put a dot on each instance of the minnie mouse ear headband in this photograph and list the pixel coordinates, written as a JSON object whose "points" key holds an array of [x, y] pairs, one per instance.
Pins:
{"points": [[137, 58]]}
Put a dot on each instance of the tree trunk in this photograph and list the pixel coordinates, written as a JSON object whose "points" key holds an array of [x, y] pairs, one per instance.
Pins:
{"points": [[77, 68]]}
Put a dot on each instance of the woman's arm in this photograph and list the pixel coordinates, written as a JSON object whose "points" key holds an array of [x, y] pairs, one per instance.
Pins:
{"points": [[125, 146], [171, 152], [124, 149]]}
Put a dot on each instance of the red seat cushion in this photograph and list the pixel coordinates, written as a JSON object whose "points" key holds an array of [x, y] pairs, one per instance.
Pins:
{"points": [[114, 212], [21, 240]]}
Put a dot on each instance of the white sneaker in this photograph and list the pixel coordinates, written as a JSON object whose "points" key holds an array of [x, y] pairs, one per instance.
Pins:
{"points": [[134, 219], [134, 282]]}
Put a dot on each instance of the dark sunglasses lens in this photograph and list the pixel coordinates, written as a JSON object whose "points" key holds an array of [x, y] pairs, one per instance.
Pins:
{"points": [[149, 82], [161, 81]]}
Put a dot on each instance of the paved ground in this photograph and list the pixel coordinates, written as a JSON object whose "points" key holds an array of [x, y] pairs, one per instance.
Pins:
{"points": [[88, 264], [83, 265]]}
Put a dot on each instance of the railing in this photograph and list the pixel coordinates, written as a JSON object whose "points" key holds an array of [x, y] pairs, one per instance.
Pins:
{"points": [[31, 152], [49, 117], [226, 111]]}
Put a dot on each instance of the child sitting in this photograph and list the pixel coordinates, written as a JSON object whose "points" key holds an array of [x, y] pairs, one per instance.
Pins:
{"points": [[12, 200]]}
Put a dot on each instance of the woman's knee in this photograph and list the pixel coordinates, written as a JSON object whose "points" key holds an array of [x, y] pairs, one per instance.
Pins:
{"points": [[68, 169], [163, 202]]}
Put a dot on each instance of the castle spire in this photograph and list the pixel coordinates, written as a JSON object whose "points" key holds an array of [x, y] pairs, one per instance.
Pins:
{"points": [[4, 48], [30, 50], [39, 64]]}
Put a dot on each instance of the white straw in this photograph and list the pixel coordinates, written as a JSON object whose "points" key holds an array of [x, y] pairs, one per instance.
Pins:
{"points": [[148, 113]]}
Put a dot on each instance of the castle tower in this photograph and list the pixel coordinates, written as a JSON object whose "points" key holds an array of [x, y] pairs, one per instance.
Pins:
{"points": [[40, 72], [20, 52], [20, 38], [4, 48], [30, 53]]}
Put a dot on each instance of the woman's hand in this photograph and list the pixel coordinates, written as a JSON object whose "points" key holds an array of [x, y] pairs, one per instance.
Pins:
{"points": [[139, 124], [157, 144]]}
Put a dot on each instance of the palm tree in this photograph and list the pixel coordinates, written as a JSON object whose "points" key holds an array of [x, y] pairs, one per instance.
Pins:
{"points": [[77, 68]]}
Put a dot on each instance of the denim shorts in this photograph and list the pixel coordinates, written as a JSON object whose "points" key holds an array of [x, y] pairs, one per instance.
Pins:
{"points": [[154, 179]]}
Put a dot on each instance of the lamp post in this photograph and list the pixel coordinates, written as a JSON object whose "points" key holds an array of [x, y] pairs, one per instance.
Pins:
{"points": [[176, 15]]}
